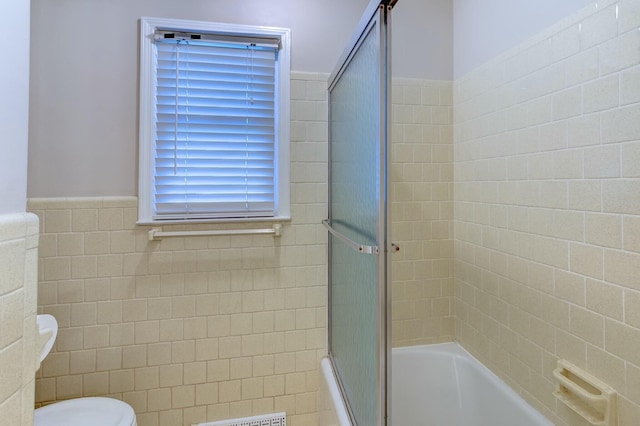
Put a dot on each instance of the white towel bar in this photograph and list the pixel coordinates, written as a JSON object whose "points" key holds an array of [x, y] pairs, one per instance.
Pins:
{"points": [[158, 233]]}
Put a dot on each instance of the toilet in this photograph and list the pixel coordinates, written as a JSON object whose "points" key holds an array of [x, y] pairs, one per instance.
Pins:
{"points": [[94, 411]]}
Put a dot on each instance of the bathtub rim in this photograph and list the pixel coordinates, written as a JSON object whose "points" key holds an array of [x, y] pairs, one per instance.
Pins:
{"points": [[335, 394]]}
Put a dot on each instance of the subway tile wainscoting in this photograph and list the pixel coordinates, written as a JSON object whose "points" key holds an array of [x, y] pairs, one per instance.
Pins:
{"points": [[547, 208], [184, 329]]}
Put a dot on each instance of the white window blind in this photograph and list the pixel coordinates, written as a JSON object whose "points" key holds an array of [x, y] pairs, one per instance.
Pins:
{"points": [[215, 129], [214, 122]]}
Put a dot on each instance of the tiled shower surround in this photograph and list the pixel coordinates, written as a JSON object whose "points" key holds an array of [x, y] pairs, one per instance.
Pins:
{"points": [[422, 209], [547, 208], [198, 329]]}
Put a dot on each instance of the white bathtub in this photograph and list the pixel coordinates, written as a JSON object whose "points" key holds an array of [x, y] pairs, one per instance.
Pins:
{"points": [[439, 385]]}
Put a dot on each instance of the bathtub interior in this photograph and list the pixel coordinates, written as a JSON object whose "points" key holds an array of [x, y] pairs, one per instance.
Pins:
{"points": [[435, 385], [443, 384]]}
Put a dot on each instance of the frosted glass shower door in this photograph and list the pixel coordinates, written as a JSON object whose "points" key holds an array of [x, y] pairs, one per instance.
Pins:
{"points": [[358, 232]]}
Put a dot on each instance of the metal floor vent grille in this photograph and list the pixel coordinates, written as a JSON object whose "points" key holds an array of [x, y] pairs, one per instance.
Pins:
{"points": [[276, 419]]}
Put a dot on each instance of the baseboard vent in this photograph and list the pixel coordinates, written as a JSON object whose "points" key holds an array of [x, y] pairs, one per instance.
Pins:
{"points": [[276, 419]]}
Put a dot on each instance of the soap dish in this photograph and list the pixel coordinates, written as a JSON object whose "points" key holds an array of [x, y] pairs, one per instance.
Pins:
{"points": [[591, 398]]}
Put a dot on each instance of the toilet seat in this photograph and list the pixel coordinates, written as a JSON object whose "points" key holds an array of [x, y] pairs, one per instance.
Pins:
{"points": [[94, 411]]}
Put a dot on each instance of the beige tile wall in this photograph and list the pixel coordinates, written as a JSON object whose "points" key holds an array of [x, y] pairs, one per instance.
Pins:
{"points": [[547, 207], [18, 336], [422, 211], [185, 330]]}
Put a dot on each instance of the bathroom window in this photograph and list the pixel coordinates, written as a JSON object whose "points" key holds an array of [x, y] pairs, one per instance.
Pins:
{"points": [[214, 122]]}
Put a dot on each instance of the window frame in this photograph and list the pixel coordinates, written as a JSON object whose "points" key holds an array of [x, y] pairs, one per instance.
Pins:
{"points": [[147, 105]]}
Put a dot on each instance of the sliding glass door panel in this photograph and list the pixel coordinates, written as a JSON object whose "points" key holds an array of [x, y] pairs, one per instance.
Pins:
{"points": [[358, 216]]}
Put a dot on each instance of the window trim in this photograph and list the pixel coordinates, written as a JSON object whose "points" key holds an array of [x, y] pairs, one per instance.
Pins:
{"points": [[146, 123]]}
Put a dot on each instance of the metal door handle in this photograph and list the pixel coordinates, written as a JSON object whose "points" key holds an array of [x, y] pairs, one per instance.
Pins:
{"points": [[354, 245]]}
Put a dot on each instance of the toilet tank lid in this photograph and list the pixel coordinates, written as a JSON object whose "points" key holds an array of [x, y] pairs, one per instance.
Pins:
{"points": [[94, 411]]}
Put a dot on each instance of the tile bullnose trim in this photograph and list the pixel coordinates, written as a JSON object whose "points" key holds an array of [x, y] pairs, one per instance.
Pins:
{"points": [[308, 75], [81, 202], [14, 226]]}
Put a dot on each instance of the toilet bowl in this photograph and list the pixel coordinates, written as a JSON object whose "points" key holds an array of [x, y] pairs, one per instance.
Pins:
{"points": [[94, 411]]}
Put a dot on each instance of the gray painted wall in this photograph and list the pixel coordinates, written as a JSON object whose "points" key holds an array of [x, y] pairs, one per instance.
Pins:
{"points": [[83, 106], [14, 106]]}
